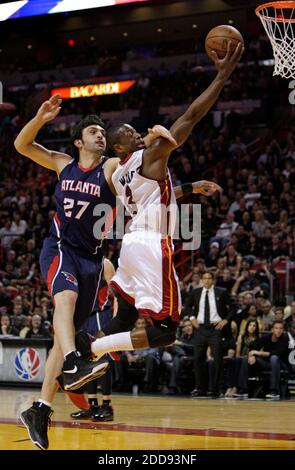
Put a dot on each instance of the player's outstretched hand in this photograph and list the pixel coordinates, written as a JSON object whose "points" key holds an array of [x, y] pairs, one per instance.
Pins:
{"points": [[227, 65], [50, 109], [207, 188], [161, 131]]}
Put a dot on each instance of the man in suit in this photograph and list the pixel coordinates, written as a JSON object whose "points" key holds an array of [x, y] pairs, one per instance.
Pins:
{"points": [[211, 318]]}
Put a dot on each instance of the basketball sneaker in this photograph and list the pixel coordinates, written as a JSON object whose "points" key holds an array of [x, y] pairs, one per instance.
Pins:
{"points": [[85, 414], [36, 419], [77, 396], [103, 413], [79, 371]]}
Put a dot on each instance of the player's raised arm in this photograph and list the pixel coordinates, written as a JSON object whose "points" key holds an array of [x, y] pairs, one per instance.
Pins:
{"points": [[183, 126], [206, 188], [25, 141]]}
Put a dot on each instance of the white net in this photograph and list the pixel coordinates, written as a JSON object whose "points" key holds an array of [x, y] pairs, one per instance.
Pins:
{"points": [[278, 19]]}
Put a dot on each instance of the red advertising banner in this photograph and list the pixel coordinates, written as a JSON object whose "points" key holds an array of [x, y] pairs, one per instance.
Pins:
{"points": [[95, 89]]}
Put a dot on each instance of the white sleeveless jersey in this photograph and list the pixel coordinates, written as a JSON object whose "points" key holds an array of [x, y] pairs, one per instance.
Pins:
{"points": [[150, 203]]}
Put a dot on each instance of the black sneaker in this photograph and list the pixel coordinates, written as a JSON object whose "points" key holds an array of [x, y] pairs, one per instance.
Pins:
{"points": [[85, 414], [36, 421], [83, 342], [83, 372], [103, 413], [273, 396], [196, 393]]}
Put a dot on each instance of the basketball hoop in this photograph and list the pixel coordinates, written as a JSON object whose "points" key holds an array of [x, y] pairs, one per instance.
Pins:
{"points": [[278, 19]]}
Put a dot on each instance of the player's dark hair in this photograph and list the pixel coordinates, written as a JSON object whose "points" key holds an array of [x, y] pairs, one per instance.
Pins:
{"points": [[113, 137], [91, 119]]}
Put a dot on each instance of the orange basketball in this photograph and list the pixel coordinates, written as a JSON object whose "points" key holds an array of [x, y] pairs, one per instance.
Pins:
{"points": [[218, 38]]}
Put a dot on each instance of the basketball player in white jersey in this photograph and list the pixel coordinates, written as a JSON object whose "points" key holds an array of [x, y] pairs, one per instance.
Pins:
{"points": [[146, 282]]}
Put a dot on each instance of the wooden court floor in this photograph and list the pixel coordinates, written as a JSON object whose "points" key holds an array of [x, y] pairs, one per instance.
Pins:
{"points": [[156, 422]]}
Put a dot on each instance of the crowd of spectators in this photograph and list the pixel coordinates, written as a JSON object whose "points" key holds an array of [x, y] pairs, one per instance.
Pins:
{"points": [[62, 54]]}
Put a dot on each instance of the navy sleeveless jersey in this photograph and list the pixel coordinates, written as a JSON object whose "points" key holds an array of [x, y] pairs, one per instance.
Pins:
{"points": [[77, 193]]}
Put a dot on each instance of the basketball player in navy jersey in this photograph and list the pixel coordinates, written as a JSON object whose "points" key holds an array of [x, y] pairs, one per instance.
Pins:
{"points": [[146, 281], [97, 321], [71, 257]]}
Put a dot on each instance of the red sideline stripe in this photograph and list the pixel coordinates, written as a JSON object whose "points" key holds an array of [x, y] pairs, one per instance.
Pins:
{"points": [[125, 296], [159, 430], [52, 271]]}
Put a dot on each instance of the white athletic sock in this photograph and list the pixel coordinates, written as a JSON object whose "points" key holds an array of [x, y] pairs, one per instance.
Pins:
{"points": [[45, 402], [117, 342]]}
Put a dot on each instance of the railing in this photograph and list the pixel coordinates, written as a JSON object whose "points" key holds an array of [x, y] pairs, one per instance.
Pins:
{"points": [[282, 286]]}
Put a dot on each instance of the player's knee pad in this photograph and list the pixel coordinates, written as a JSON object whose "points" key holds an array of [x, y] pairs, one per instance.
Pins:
{"points": [[161, 334], [124, 320]]}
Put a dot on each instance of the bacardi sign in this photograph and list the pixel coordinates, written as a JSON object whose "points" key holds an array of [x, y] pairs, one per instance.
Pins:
{"points": [[94, 89]]}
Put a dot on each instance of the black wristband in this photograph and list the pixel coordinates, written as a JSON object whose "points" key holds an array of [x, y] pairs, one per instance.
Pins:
{"points": [[187, 188]]}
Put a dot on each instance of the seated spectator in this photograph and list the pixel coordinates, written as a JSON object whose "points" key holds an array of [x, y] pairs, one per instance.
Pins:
{"points": [[247, 337], [5, 300], [253, 246], [223, 208], [6, 329], [245, 340], [225, 231], [277, 251], [268, 315], [260, 224], [245, 282], [291, 347], [7, 235], [279, 314], [195, 282], [264, 275], [246, 221], [23, 323], [182, 352], [19, 226], [225, 280], [220, 267], [268, 353], [140, 367], [233, 258], [250, 313], [37, 330], [213, 255], [211, 222], [291, 317], [252, 196]]}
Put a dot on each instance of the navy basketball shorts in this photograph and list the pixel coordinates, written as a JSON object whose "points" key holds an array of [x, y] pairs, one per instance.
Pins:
{"points": [[97, 321], [65, 269]]}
